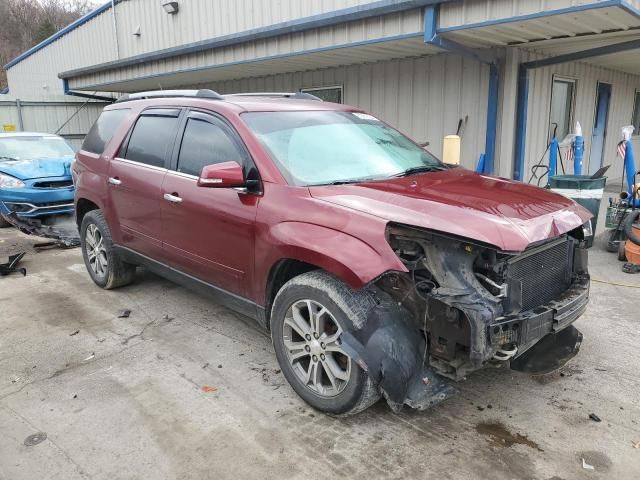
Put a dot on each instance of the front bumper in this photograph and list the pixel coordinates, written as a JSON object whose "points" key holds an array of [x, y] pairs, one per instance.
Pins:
{"points": [[32, 202], [525, 329]]}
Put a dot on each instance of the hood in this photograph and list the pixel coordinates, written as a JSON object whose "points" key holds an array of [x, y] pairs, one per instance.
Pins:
{"points": [[37, 168], [507, 214]]}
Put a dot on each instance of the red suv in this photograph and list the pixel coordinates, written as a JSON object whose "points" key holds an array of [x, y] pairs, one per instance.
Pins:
{"points": [[377, 269]]}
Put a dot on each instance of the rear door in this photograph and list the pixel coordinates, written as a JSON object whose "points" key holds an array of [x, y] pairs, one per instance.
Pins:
{"points": [[208, 232], [135, 179]]}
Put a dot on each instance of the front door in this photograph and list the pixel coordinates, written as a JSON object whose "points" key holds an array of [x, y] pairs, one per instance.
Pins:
{"points": [[603, 98], [208, 232], [135, 180]]}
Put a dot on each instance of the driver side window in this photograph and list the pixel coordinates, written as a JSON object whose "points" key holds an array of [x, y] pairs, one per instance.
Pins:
{"points": [[205, 143]]}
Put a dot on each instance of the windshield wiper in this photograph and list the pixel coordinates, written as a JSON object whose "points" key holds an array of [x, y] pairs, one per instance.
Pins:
{"points": [[421, 169]]}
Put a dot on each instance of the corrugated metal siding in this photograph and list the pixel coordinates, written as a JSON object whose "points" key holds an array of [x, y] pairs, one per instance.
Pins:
{"points": [[587, 76], [409, 22], [423, 97], [87, 45], [48, 117], [464, 12], [94, 42], [203, 19]]}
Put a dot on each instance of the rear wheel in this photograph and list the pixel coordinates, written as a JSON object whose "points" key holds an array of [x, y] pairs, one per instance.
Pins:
{"points": [[103, 263], [309, 315]]}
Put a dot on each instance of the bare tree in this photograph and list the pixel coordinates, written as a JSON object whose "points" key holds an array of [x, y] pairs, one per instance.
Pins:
{"points": [[25, 23]]}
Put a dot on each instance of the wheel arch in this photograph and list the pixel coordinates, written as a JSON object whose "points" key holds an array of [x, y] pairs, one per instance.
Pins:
{"points": [[84, 206]]}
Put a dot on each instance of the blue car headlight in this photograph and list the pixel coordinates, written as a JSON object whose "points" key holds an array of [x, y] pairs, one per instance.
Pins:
{"points": [[7, 181]]}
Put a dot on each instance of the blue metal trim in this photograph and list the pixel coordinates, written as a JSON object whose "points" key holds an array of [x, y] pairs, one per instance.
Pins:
{"points": [[380, 7], [432, 37], [4, 91], [521, 121], [65, 86], [533, 16], [101, 86], [57, 35], [582, 54], [492, 119]]}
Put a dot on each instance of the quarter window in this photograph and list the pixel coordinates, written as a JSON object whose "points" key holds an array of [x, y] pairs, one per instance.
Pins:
{"points": [[328, 94], [562, 95], [151, 138], [205, 143], [102, 131]]}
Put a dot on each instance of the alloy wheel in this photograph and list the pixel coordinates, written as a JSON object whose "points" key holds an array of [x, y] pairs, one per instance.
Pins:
{"points": [[311, 337], [96, 251]]}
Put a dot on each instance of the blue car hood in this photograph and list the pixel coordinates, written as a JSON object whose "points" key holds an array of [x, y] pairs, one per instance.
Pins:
{"points": [[37, 168]]}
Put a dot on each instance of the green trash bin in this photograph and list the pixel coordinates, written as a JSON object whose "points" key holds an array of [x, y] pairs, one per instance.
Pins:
{"points": [[584, 190]]}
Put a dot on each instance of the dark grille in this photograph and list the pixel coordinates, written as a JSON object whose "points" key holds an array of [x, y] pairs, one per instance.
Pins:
{"points": [[539, 275], [54, 184]]}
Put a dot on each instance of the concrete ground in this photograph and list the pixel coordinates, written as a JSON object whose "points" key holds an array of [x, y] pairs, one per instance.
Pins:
{"points": [[185, 389]]}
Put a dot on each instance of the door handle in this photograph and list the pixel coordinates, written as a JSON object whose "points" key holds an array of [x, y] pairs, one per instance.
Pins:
{"points": [[172, 198], [115, 181]]}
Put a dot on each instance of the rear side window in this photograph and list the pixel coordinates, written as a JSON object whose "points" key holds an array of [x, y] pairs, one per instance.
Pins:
{"points": [[103, 130], [151, 138], [204, 143]]}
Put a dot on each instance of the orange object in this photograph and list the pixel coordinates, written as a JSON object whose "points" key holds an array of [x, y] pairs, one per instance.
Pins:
{"points": [[208, 389], [631, 250]]}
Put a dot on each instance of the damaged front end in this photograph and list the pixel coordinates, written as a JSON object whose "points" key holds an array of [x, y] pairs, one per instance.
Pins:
{"points": [[60, 229], [463, 305]]}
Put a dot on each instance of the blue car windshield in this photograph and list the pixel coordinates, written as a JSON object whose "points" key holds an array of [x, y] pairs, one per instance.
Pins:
{"points": [[332, 147], [29, 148]]}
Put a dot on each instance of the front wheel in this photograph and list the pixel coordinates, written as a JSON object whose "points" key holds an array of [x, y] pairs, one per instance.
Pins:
{"points": [[103, 263], [309, 315]]}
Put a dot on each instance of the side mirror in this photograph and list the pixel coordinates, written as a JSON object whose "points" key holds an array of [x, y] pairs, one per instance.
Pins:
{"points": [[222, 175]]}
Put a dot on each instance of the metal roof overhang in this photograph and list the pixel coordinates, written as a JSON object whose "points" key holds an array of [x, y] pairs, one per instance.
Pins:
{"points": [[402, 46], [564, 32]]}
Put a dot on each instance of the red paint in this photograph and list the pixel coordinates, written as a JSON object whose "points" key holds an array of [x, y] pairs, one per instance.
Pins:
{"points": [[233, 239]]}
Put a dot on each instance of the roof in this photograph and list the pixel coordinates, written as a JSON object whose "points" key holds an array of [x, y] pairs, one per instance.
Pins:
{"points": [[72, 26], [26, 134]]}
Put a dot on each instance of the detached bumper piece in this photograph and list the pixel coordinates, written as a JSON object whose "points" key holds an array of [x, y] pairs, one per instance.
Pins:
{"points": [[11, 265], [550, 353], [62, 236]]}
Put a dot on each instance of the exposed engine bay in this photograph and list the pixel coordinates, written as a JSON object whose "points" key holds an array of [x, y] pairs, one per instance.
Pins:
{"points": [[464, 305]]}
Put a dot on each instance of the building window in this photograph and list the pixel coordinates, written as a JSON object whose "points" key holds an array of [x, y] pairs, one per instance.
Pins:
{"points": [[328, 94], [635, 120], [562, 102]]}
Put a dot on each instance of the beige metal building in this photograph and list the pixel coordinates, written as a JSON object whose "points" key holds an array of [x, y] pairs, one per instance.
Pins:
{"points": [[504, 71]]}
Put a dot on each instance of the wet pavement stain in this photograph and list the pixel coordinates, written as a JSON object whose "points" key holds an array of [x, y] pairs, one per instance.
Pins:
{"points": [[500, 436]]}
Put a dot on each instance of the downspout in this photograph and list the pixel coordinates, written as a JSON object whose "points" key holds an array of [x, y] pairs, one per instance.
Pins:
{"points": [[432, 37], [115, 28]]}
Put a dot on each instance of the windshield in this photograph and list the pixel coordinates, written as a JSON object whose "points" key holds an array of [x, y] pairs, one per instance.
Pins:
{"points": [[29, 148], [328, 147]]}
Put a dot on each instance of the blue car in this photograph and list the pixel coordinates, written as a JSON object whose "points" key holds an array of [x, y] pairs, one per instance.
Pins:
{"points": [[35, 176]]}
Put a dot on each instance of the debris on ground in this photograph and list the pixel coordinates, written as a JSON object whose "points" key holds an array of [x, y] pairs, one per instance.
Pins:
{"points": [[124, 313], [586, 466], [594, 417], [635, 444], [11, 265], [64, 233], [35, 439], [74, 333], [208, 389], [205, 365], [89, 357]]}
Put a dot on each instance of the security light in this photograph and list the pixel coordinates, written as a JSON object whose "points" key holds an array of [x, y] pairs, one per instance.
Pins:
{"points": [[170, 7]]}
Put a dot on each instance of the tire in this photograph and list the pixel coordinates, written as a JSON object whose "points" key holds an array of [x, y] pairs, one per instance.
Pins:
{"points": [[107, 270], [337, 306], [622, 255], [4, 223]]}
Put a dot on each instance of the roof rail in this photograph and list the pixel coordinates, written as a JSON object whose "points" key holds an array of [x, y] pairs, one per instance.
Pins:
{"points": [[203, 93], [296, 95]]}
